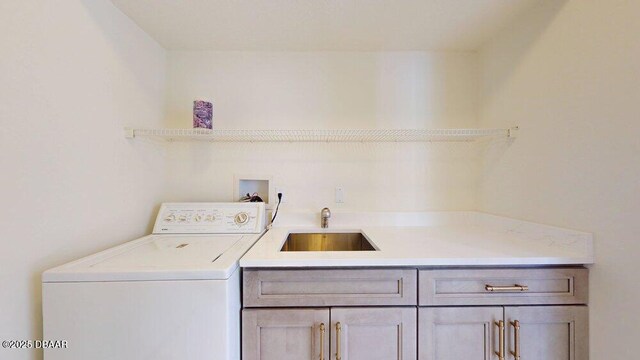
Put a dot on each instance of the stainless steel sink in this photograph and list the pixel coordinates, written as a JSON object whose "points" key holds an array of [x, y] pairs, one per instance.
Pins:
{"points": [[327, 242]]}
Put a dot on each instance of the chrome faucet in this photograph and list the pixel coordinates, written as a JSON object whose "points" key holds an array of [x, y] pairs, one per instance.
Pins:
{"points": [[325, 214]]}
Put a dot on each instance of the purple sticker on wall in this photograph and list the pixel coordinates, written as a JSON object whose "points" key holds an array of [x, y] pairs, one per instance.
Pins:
{"points": [[202, 114]]}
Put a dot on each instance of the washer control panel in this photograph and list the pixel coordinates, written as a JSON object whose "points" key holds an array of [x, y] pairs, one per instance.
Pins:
{"points": [[210, 218]]}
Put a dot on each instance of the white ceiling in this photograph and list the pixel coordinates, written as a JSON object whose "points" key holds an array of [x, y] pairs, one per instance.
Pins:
{"points": [[307, 25]]}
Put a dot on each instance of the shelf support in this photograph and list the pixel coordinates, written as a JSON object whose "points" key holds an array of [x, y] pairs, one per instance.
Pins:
{"points": [[129, 133]]}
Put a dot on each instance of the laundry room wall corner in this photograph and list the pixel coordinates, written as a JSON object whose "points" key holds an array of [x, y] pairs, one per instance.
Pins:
{"points": [[73, 74]]}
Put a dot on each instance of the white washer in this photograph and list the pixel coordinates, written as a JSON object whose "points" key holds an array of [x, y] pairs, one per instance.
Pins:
{"points": [[173, 295]]}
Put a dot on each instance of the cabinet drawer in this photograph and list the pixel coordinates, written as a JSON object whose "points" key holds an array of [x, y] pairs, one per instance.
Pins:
{"points": [[272, 288], [501, 286]]}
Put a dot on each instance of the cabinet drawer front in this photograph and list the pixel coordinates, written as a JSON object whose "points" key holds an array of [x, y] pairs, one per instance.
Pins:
{"points": [[269, 288], [502, 286]]}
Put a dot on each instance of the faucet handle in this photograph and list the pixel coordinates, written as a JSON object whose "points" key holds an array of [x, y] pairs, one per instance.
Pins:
{"points": [[325, 213]]}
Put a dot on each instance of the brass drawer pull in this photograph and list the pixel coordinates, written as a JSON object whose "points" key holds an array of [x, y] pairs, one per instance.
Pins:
{"points": [[500, 352], [338, 329], [516, 336], [322, 341], [513, 288]]}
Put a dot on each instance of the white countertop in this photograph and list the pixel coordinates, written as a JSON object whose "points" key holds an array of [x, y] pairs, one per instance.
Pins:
{"points": [[427, 239]]}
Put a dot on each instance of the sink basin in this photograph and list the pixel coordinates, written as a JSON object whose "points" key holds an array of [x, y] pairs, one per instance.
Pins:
{"points": [[354, 241]]}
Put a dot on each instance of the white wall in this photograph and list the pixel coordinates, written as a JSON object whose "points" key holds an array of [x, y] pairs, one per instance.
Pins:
{"points": [[72, 74], [326, 90], [569, 74]]}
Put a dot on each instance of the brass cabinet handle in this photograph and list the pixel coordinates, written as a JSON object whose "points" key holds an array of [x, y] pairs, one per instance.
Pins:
{"points": [[516, 336], [321, 341], [513, 288], [500, 352], [338, 329]]}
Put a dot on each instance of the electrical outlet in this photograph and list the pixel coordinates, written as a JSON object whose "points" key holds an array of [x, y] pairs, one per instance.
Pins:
{"points": [[280, 189], [339, 195]]}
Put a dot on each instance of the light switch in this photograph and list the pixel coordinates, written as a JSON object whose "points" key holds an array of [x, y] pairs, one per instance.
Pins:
{"points": [[339, 195]]}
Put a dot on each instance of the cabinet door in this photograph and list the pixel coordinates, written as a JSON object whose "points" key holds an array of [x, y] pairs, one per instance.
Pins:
{"points": [[373, 333], [455, 333], [270, 334], [548, 332]]}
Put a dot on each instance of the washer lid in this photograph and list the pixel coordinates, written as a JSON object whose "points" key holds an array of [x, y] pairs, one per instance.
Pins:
{"points": [[160, 257], [171, 252]]}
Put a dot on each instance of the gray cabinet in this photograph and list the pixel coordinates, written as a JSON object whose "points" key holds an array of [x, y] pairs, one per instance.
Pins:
{"points": [[411, 313], [548, 332], [463, 330], [374, 333], [352, 334], [529, 333], [549, 286], [329, 287], [283, 334], [455, 333]]}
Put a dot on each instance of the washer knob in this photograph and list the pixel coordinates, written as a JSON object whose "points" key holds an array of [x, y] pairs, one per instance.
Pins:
{"points": [[241, 218], [170, 218]]}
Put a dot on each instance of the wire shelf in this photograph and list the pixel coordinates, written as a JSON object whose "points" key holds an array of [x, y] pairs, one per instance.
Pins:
{"points": [[351, 135]]}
